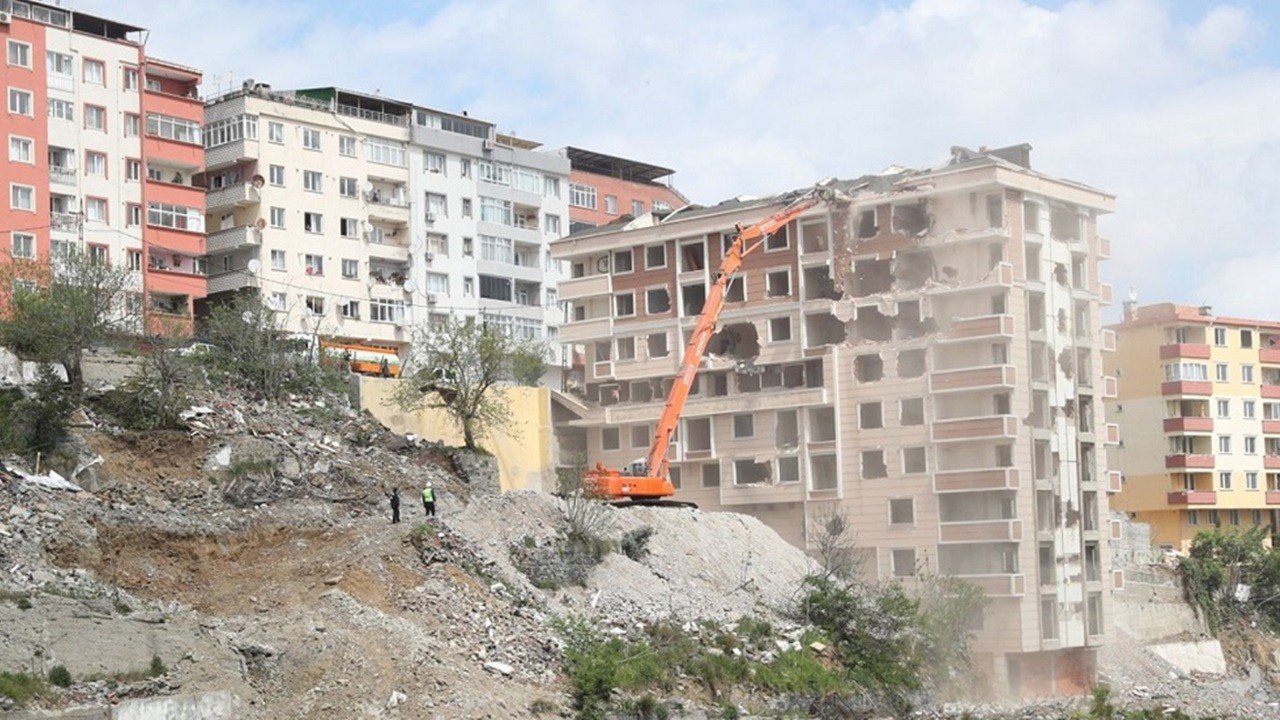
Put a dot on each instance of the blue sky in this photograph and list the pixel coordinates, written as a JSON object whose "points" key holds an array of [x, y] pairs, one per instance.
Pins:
{"points": [[1172, 106]]}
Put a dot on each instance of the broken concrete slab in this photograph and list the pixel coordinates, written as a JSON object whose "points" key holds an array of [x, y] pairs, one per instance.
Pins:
{"points": [[1202, 656]]}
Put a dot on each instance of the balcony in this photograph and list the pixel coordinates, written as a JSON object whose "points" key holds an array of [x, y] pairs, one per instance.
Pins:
{"points": [[62, 175], [1269, 356], [1273, 497], [387, 206], [972, 480], [980, 531], [985, 326], [1192, 461], [238, 195], [1188, 387], [232, 238], [232, 280], [1271, 427], [1012, 585], [1271, 462], [997, 376], [1269, 391], [1185, 425], [975, 428], [1194, 351], [64, 221], [583, 330], [1192, 497], [588, 286]]}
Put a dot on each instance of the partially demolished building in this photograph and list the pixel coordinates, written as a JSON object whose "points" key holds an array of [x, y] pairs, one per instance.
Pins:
{"points": [[925, 361]]}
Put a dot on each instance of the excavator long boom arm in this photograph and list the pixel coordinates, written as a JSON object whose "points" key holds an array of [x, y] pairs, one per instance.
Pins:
{"points": [[748, 240]]}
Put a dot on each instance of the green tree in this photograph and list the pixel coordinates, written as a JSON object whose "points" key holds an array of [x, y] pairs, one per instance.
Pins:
{"points": [[459, 368], [57, 311]]}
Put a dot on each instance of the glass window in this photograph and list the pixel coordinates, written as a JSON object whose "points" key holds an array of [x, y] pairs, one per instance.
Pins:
{"points": [[310, 138], [275, 132], [172, 128], [20, 102], [19, 54]]}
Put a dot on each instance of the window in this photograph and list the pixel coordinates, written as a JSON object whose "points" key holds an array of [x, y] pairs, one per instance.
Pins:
{"points": [[99, 254], [611, 204], [779, 240], [312, 222], [624, 305], [132, 215], [438, 283], [21, 149], [583, 196], [711, 475], [20, 102], [314, 264], [275, 175], [66, 110], [20, 54], [95, 163], [433, 162], [349, 309], [277, 260], [438, 244], [277, 301], [655, 256], [1220, 372], [1251, 481], [914, 460], [310, 138], [95, 118], [464, 165], [57, 63], [657, 301], [275, 132], [277, 218], [609, 439], [312, 181], [348, 227], [779, 329], [134, 259], [1246, 373], [1224, 444], [347, 187], [315, 305], [132, 170], [229, 130], [744, 425], [177, 217], [870, 415], [873, 465], [22, 197], [777, 283], [467, 210], [1250, 445], [1220, 337], [385, 152], [438, 207], [1250, 409], [911, 411], [902, 511], [1193, 517], [130, 78], [95, 72], [622, 262], [24, 245], [1224, 408], [903, 562], [95, 209], [552, 224], [551, 187], [1224, 480], [1246, 338], [637, 207], [172, 128], [350, 268], [390, 311]]}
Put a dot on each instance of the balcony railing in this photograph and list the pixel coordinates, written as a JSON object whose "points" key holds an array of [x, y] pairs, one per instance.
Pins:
{"points": [[1189, 460], [1270, 390], [972, 480], [62, 175], [1192, 497], [580, 330], [1195, 351], [1269, 356], [1273, 497], [231, 196], [972, 378], [1186, 387], [64, 221], [374, 115], [980, 531], [588, 286], [1188, 425], [998, 585], [976, 428], [1271, 462]]}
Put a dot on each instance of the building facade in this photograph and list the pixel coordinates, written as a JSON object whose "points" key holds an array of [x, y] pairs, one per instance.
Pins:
{"points": [[357, 216], [103, 143], [926, 361], [603, 188], [1199, 415]]}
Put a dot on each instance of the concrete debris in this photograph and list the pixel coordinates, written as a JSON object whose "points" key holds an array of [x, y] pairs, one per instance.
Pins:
{"points": [[51, 480], [500, 668]]}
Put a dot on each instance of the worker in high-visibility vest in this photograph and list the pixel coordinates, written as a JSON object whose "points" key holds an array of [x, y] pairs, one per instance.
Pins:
{"points": [[429, 500]]}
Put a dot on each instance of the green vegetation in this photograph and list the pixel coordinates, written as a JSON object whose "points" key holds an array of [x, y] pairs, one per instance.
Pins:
{"points": [[35, 420], [60, 676], [155, 397], [1221, 561], [22, 687], [459, 366]]}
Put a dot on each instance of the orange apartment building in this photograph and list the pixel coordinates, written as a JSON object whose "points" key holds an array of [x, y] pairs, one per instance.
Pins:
{"points": [[927, 362], [1199, 415], [603, 188], [103, 144]]}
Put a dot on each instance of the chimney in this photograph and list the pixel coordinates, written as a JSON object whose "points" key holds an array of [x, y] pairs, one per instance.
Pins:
{"points": [[1131, 304], [1206, 310]]}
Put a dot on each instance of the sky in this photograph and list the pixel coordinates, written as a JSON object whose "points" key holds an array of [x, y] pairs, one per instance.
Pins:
{"points": [[1173, 107]]}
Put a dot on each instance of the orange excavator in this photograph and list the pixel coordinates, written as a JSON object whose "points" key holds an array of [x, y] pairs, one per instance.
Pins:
{"points": [[648, 481]]}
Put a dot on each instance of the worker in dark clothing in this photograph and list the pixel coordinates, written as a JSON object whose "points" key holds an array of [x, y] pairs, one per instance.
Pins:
{"points": [[429, 500], [395, 505], [384, 368]]}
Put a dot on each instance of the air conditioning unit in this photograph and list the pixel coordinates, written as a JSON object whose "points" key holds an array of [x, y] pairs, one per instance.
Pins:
{"points": [[432, 298], [5, 18], [489, 145]]}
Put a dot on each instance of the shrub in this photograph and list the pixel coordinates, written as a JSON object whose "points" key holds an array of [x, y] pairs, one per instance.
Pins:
{"points": [[635, 543], [157, 667], [22, 687], [36, 420], [60, 676], [24, 603]]}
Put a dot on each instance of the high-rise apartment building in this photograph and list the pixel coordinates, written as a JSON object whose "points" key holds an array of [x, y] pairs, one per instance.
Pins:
{"points": [[603, 188], [1199, 415], [103, 144], [926, 361], [357, 216]]}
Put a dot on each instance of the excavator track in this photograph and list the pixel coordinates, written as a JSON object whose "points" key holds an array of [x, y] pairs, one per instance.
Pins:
{"points": [[654, 503]]}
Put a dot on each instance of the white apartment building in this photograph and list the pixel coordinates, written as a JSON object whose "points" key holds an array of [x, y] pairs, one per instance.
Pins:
{"points": [[359, 217]]}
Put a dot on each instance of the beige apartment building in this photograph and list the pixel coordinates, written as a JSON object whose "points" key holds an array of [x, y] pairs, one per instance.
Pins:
{"points": [[927, 361], [1199, 416]]}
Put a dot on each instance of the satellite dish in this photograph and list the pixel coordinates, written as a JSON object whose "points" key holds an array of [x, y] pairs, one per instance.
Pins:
{"points": [[369, 281], [247, 317], [258, 181], [368, 226], [410, 286], [260, 223], [368, 186], [255, 266]]}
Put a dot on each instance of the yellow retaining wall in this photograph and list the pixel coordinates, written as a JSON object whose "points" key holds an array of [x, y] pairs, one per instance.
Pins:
{"points": [[523, 449]]}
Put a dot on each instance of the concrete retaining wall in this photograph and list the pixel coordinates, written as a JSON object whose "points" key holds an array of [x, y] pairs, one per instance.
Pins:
{"points": [[208, 706]]}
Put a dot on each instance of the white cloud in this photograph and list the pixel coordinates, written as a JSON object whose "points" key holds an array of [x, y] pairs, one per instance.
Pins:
{"points": [[762, 96]]}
